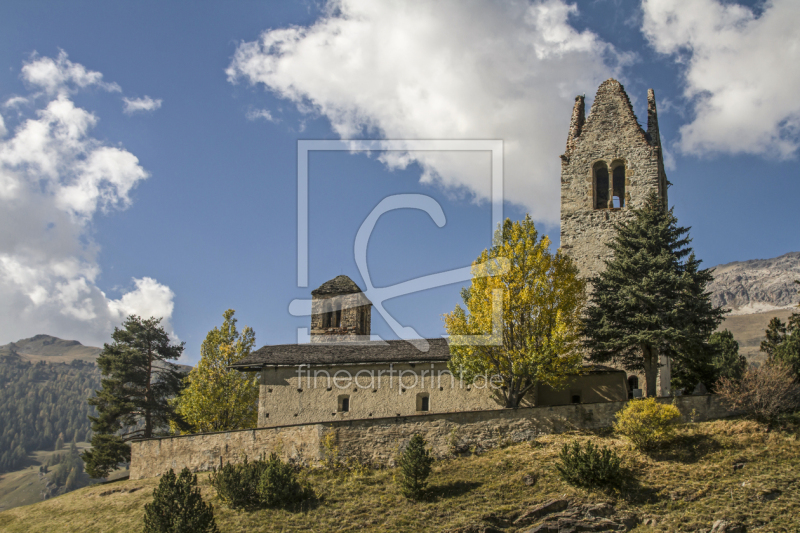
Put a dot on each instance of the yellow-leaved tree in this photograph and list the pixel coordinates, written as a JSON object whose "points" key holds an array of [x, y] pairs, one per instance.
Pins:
{"points": [[537, 328], [217, 398]]}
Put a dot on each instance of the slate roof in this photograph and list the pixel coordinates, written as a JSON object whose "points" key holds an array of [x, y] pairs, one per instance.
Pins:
{"points": [[393, 351], [338, 285]]}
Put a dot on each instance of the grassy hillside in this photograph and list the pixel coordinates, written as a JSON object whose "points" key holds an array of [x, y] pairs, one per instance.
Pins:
{"points": [[748, 330], [50, 349], [685, 488]]}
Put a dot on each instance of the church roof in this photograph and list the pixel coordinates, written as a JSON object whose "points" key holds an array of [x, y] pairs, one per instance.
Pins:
{"points": [[393, 351], [338, 285]]}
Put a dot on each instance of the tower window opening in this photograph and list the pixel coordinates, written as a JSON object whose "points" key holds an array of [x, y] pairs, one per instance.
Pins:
{"points": [[344, 403], [600, 186], [619, 186], [423, 402], [337, 318]]}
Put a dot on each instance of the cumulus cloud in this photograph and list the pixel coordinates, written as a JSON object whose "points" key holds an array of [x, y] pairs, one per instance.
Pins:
{"points": [[54, 178], [62, 75], [442, 70], [255, 114], [740, 72], [133, 105]]}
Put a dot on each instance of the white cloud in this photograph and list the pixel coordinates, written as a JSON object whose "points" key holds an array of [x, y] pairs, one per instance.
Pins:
{"points": [[442, 70], [740, 72], [255, 114], [3, 129], [54, 178], [132, 105], [15, 101], [62, 75]]}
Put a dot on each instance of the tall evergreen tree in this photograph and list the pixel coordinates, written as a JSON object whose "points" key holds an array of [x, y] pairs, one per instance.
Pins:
{"points": [[133, 402], [652, 300]]}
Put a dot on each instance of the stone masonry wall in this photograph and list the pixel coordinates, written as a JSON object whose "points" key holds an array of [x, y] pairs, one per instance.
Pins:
{"points": [[355, 318], [377, 441]]}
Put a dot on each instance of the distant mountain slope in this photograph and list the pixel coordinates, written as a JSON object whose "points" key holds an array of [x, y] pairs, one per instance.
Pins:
{"points": [[51, 349], [757, 285], [755, 291]]}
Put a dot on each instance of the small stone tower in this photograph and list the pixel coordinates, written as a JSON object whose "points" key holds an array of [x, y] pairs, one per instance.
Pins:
{"points": [[611, 164], [340, 312]]}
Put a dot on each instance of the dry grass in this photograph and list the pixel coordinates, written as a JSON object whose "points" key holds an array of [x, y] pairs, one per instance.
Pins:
{"points": [[685, 487]]}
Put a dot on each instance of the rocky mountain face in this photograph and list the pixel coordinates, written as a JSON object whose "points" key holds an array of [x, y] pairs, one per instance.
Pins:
{"points": [[758, 285]]}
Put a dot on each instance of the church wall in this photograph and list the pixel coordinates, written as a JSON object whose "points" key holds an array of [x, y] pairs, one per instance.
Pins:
{"points": [[375, 391], [591, 388], [377, 441]]}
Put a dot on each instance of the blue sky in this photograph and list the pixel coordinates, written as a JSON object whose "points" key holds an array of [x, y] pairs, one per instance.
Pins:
{"points": [[148, 150]]}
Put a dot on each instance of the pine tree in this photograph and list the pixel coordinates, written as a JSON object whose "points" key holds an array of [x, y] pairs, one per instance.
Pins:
{"points": [[782, 342], [728, 362], [415, 467], [134, 400], [178, 507], [651, 299]]}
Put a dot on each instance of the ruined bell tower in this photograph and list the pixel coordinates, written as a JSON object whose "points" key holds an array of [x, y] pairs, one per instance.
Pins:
{"points": [[610, 166]]}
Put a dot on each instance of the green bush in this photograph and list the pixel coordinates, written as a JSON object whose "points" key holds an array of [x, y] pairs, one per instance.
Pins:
{"points": [[647, 423], [278, 485], [178, 507], [258, 484], [589, 466], [415, 467], [237, 484]]}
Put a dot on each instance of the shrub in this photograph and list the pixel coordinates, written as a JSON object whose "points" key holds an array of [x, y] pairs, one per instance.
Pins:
{"points": [[589, 466], [278, 485], [415, 467], [764, 392], [237, 484], [258, 484], [178, 507], [647, 423]]}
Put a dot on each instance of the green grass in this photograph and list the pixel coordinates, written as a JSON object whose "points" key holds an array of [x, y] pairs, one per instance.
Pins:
{"points": [[24, 486], [685, 487]]}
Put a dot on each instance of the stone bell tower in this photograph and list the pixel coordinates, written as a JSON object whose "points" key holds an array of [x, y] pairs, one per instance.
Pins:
{"points": [[340, 312], [610, 166]]}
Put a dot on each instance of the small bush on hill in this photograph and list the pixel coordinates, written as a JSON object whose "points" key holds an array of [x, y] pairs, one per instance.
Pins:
{"points": [[258, 484], [237, 484], [178, 507], [764, 393], [647, 423], [278, 485], [589, 466], [415, 467]]}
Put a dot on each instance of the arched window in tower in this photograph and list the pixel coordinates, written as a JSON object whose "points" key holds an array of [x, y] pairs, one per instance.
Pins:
{"points": [[600, 186], [327, 315], [618, 178]]}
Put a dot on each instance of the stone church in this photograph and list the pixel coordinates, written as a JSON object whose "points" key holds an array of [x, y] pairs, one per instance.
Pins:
{"points": [[610, 166]]}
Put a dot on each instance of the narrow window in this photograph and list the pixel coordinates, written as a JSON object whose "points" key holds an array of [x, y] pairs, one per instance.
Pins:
{"points": [[337, 318], [423, 402], [633, 384], [619, 186], [600, 186], [576, 398], [327, 315], [344, 403]]}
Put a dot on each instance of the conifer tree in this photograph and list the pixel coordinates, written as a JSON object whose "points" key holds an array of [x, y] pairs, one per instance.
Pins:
{"points": [[134, 400], [415, 467], [651, 299], [728, 362], [178, 507], [782, 342]]}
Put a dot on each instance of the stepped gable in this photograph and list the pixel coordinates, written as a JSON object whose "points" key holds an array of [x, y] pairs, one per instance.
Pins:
{"points": [[338, 285]]}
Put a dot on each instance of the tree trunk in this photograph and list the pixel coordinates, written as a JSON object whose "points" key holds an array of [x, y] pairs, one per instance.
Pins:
{"points": [[650, 361], [148, 397]]}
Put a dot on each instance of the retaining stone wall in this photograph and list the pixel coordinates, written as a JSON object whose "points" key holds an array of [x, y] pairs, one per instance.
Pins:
{"points": [[377, 441]]}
